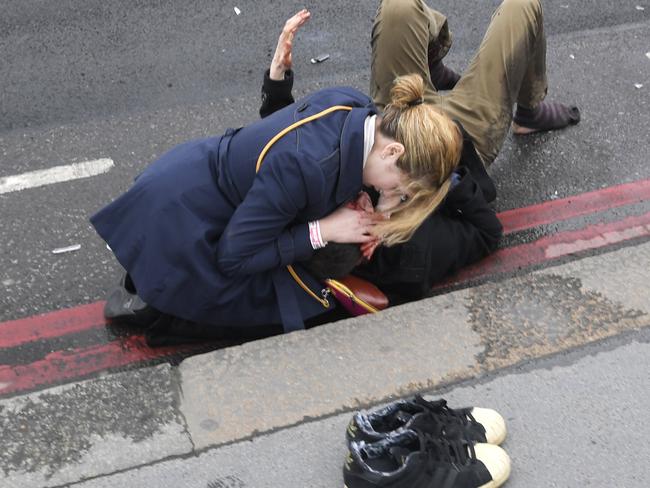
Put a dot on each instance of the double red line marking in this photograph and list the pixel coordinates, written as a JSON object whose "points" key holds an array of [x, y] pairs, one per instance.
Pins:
{"points": [[60, 366]]}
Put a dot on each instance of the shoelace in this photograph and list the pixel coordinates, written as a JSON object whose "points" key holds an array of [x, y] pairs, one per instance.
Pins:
{"points": [[439, 449], [440, 408]]}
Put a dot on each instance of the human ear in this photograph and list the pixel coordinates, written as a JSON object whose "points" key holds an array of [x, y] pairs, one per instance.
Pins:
{"points": [[394, 150]]}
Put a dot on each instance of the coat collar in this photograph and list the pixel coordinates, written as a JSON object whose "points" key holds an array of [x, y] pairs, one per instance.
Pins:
{"points": [[351, 167]]}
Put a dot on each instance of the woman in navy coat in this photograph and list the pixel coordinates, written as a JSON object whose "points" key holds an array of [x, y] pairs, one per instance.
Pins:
{"points": [[206, 238]]}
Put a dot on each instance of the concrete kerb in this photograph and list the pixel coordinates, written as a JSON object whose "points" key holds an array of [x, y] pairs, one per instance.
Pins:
{"points": [[236, 393], [260, 386]]}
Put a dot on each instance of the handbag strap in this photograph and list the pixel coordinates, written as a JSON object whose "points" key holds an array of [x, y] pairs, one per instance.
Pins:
{"points": [[275, 139]]}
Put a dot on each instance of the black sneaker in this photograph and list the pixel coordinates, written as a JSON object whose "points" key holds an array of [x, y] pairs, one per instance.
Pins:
{"points": [[433, 417], [408, 459], [125, 306]]}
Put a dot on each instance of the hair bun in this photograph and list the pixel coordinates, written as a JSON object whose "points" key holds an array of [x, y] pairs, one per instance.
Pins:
{"points": [[407, 91]]}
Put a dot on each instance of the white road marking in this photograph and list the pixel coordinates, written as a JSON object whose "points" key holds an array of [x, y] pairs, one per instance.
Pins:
{"points": [[57, 174]]}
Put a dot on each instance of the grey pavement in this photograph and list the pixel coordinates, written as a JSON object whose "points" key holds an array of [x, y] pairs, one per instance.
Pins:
{"points": [[103, 426], [572, 422]]}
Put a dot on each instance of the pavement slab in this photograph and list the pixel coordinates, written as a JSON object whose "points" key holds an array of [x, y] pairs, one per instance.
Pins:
{"points": [[90, 428], [259, 386]]}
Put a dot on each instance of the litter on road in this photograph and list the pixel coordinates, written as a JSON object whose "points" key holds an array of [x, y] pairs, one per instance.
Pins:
{"points": [[237, 11], [638, 85], [62, 250], [320, 59]]}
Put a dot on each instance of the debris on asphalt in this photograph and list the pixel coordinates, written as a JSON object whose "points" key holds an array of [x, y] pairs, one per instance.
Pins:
{"points": [[572, 56], [62, 250], [648, 54], [639, 7], [638, 85], [554, 196], [237, 11], [320, 59]]}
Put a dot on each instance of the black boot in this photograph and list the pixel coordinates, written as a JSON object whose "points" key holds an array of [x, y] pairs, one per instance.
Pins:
{"points": [[125, 306]]}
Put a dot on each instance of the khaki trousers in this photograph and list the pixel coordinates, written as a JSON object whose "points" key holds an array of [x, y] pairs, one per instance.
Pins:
{"points": [[509, 67]]}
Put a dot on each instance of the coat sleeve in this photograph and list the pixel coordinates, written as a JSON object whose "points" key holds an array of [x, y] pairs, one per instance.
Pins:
{"points": [[276, 94], [464, 230], [262, 233]]}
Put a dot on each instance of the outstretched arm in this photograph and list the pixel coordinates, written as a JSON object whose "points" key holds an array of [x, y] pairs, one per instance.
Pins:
{"points": [[278, 79], [282, 61]]}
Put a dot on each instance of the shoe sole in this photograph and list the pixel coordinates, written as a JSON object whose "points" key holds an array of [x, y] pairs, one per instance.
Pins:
{"points": [[497, 461], [493, 423]]}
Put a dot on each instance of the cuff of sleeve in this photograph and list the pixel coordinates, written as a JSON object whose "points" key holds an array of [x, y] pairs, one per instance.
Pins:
{"points": [[279, 89], [295, 245], [315, 237]]}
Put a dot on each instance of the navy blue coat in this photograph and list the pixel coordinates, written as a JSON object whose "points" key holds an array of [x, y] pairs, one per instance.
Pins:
{"points": [[207, 239]]}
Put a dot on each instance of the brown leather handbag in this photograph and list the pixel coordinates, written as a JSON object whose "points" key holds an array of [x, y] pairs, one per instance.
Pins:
{"points": [[357, 296]]}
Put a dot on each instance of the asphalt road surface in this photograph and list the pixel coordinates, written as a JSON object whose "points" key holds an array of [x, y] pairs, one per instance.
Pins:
{"points": [[128, 80]]}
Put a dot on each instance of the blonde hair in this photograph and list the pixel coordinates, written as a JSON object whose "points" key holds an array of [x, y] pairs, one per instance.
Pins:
{"points": [[432, 143]]}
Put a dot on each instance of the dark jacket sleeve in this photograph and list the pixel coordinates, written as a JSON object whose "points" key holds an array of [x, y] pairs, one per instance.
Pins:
{"points": [[463, 230], [262, 233], [276, 94]]}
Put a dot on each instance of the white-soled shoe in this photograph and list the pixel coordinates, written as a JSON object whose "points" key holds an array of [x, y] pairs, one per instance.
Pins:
{"points": [[474, 424], [409, 459]]}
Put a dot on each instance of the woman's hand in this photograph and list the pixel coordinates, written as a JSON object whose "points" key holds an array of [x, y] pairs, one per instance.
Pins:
{"points": [[281, 62], [347, 225]]}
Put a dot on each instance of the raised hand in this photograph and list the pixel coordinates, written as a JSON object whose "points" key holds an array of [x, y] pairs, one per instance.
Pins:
{"points": [[282, 61]]}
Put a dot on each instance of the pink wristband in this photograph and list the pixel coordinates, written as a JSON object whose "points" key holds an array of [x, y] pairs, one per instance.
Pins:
{"points": [[315, 236]]}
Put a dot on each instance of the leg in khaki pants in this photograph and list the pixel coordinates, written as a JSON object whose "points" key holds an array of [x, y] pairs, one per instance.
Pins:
{"points": [[509, 67]]}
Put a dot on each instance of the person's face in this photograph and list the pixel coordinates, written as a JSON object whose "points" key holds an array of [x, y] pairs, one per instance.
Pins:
{"points": [[381, 171]]}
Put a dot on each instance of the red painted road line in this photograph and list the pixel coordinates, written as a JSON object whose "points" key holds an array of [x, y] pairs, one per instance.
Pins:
{"points": [[553, 247], [575, 206], [86, 317], [52, 324], [65, 365]]}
